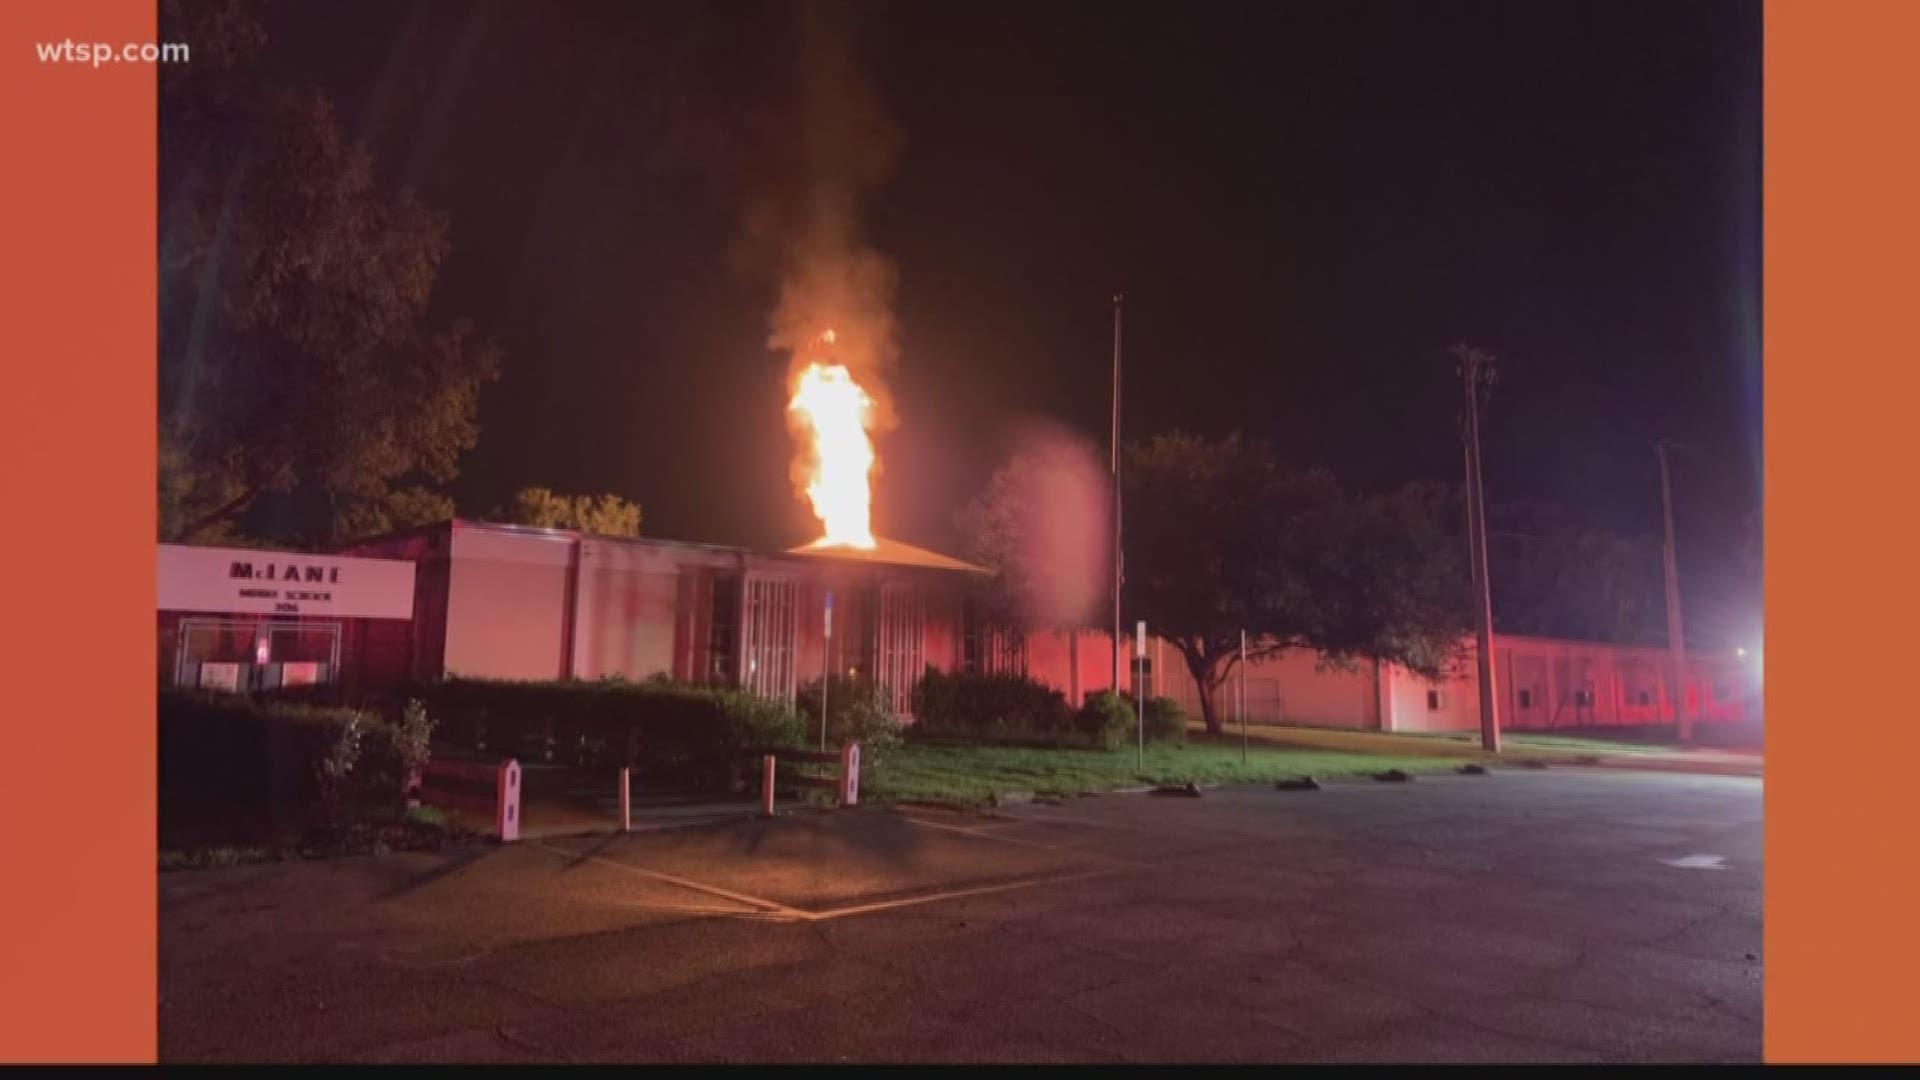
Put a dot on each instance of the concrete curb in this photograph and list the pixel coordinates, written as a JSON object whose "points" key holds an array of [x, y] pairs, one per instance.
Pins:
{"points": [[1704, 768]]}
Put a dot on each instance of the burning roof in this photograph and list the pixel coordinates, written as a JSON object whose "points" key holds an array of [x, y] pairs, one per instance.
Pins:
{"points": [[887, 552]]}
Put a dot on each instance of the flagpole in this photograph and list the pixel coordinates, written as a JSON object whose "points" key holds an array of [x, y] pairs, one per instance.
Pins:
{"points": [[1117, 639]]}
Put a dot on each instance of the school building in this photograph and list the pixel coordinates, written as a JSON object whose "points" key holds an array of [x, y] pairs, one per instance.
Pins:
{"points": [[512, 602]]}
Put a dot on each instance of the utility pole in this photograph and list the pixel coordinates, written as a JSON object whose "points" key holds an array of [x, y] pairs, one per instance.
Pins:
{"points": [[1476, 372], [1676, 641], [1117, 638]]}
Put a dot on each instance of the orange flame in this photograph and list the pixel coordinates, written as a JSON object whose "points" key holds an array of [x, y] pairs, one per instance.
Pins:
{"points": [[839, 470]]}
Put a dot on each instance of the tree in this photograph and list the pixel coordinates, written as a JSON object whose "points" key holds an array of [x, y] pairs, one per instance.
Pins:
{"points": [[400, 508], [605, 515], [1222, 537], [295, 350]]}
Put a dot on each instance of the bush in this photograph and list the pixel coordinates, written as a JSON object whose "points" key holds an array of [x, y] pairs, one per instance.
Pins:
{"points": [[236, 766], [390, 755], [989, 707], [859, 710], [1166, 721], [757, 723], [671, 732], [872, 723], [1106, 720]]}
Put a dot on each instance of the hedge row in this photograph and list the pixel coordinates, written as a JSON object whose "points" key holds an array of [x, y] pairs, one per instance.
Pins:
{"points": [[667, 731], [1016, 710], [233, 766], [989, 707]]}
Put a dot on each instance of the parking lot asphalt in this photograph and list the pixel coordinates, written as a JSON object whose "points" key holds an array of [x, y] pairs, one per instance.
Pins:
{"points": [[1525, 916]]}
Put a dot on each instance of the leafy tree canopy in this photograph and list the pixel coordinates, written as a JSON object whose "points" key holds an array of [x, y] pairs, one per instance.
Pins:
{"points": [[1221, 537], [605, 515], [296, 349]]}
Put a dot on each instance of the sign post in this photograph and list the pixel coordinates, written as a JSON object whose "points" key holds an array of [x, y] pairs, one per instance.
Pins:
{"points": [[1139, 701], [1243, 697]]}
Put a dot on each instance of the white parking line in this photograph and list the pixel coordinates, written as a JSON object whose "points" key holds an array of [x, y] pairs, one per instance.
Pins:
{"points": [[765, 905], [774, 910], [955, 894]]}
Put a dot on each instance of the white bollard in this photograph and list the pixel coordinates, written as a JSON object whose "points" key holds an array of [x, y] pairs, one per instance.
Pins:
{"points": [[507, 814], [626, 800], [850, 774], [766, 787]]}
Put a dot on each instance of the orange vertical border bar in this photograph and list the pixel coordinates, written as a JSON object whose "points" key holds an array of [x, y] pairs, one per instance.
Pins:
{"points": [[77, 445], [1842, 381]]}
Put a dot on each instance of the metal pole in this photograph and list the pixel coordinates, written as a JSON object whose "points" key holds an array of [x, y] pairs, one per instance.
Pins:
{"points": [[826, 667], [1243, 697], [1473, 370], [1676, 640], [1139, 717], [1117, 639]]}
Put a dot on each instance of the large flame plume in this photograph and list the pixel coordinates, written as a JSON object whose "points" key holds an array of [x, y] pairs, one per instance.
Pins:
{"points": [[837, 465], [804, 163]]}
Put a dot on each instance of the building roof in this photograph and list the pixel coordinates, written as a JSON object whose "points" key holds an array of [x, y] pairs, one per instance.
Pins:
{"points": [[883, 553], [887, 552]]}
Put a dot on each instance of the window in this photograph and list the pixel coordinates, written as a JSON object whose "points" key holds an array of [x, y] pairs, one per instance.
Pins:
{"points": [[1526, 697], [1583, 697], [772, 610], [902, 622], [970, 634], [1645, 697], [854, 632], [246, 654], [1434, 701], [986, 648], [724, 630], [1009, 651]]}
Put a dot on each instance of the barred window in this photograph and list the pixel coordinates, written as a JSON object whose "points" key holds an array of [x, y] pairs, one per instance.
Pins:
{"points": [[772, 614], [724, 631]]}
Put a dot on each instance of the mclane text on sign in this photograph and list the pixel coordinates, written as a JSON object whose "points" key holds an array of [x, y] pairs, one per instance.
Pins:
{"points": [[244, 581]]}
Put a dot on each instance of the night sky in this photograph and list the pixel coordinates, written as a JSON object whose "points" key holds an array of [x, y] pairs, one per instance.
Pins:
{"points": [[1305, 204]]}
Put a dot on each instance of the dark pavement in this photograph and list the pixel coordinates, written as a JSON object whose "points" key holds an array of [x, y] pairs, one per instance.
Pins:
{"points": [[1557, 915]]}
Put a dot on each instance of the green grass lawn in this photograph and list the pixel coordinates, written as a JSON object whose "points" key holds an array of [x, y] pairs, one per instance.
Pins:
{"points": [[968, 775]]}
